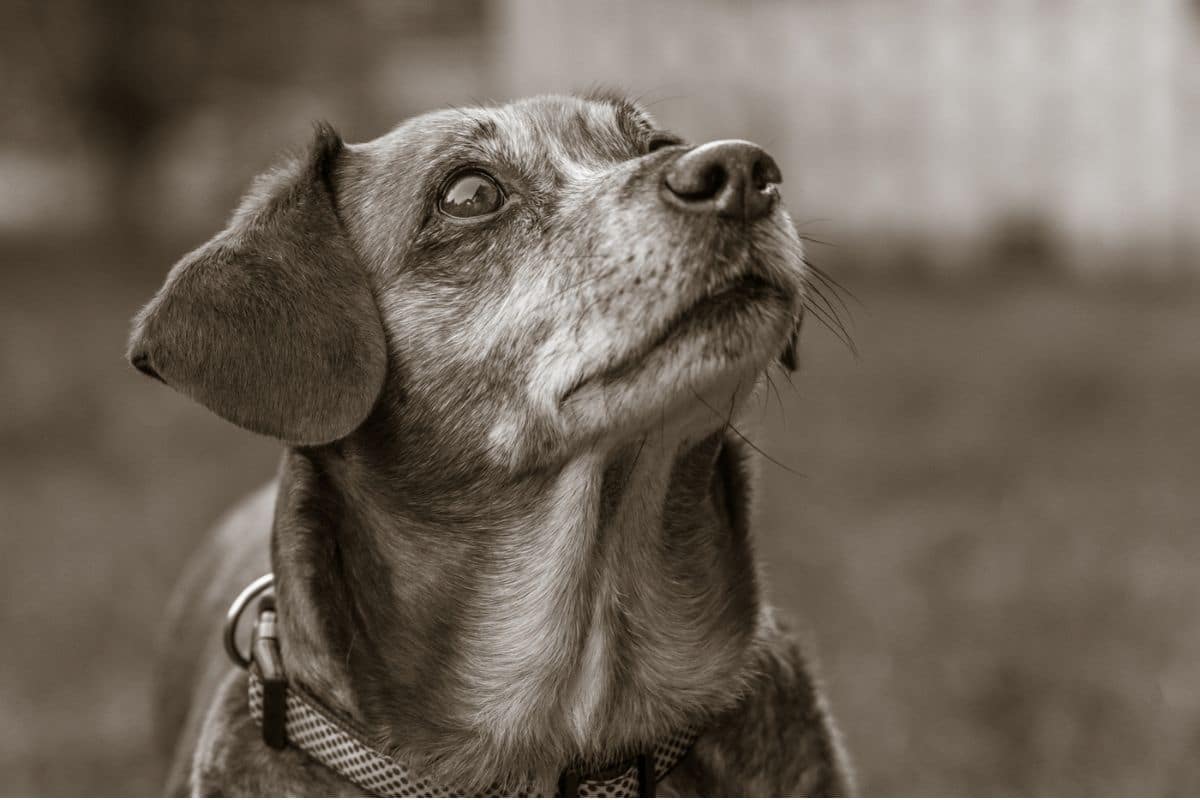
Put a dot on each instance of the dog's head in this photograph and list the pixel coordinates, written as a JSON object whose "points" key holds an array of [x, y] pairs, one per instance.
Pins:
{"points": [[507, 284]]}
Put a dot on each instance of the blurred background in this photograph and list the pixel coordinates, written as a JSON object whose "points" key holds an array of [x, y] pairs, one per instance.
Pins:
{"points": [[991, 541]]}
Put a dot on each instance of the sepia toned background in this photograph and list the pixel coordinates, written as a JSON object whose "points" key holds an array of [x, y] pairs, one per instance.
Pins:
{"points": [[988, 524]]}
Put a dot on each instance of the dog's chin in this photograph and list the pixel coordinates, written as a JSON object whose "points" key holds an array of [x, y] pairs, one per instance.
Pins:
{"points": [[692, 373]]}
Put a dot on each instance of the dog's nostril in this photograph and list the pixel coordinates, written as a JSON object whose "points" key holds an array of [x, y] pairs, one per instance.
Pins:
{"points": [[715, 180], [698, 184], [766, 172], [712, 180]]}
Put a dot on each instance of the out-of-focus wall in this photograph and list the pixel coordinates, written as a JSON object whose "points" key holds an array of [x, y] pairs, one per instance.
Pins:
{"points": [[950, 124], [148, 118], [960, 136]]}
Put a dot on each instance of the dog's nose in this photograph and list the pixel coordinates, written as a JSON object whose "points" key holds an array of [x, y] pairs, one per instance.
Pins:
{"points": [[731, 178]]}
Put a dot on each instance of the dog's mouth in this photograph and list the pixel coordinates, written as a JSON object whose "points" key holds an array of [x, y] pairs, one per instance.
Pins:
{"points": [[718, 308]]}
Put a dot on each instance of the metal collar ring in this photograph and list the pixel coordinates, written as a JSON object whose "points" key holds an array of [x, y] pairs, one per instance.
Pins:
{"points": [[245, 598]]}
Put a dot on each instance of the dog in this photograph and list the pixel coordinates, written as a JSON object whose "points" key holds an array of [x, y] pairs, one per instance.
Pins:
{"points": [[510, 531]]}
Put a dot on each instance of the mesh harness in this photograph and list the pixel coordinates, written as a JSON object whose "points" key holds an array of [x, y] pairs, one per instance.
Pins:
{"points": [[290, 716]]}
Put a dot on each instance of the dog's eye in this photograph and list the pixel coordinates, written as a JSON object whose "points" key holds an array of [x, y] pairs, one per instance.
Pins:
{"points": [[471, 194], [661, 140]]}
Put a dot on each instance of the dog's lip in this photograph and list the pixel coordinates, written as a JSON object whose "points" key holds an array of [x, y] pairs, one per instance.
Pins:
{"points": [[742, 290]]}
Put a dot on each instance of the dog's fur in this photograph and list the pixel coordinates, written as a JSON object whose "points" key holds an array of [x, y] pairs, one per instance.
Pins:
{"points": [[510, 529]]}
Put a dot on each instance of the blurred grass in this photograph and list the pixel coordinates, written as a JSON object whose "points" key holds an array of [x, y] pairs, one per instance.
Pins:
{"points": [[106, 481], [992, 544]]}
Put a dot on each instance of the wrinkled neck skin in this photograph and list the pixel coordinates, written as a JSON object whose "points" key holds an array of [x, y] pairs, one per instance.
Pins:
{"points": [[496, 627]]}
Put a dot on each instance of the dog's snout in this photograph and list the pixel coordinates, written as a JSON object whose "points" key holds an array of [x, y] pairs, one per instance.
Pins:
{"points": [[730, 178]]}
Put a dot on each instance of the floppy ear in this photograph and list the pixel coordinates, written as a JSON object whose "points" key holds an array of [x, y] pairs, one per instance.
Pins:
{"points": [[272, 324]]}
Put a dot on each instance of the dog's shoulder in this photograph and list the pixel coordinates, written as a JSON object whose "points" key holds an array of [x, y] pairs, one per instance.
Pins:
{"points": [[779, 739], [231, 759]]}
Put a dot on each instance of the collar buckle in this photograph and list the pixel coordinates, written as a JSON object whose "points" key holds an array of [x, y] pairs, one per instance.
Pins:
{"points": [[265, 658], [568, 784], [645, 775]]}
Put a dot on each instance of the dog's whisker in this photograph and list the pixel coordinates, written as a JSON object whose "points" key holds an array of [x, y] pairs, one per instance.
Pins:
{"points": [[833, 284], [732, 405], [826, 313], [585, 281], [791, 383], [636, 457], [818, 301], [833, 326], [822, 285], [742, 436], [775, 389], [813, 221]]}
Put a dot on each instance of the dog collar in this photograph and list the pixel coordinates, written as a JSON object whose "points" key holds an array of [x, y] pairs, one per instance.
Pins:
{"points": [[290, 716]]}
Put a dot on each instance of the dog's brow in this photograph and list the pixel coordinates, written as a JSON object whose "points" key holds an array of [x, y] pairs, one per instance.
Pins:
{"points": [[629, 114], [632, 121], [483, 129]]}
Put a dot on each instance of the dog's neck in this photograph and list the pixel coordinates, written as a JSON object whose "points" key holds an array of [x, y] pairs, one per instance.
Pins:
{"points": [[498, 629]]}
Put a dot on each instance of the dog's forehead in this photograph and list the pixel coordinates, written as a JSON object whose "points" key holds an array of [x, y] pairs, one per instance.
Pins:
{"points": [[580, 128], [551, 128]]}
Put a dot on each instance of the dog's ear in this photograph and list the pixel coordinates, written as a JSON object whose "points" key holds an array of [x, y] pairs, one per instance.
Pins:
{"points": [[272, 323]]}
